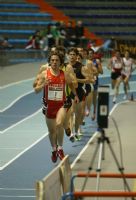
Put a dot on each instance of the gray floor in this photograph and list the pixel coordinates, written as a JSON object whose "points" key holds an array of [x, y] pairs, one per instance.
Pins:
{"points": [[13, 73], [121, 134]]}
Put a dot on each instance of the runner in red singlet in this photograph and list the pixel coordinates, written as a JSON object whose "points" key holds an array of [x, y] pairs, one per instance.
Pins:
{"points": [[53, 83]]}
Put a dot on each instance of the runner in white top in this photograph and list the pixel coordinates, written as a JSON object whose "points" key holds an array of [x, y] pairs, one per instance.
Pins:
{"points": [[116, 65], [126, 72]]}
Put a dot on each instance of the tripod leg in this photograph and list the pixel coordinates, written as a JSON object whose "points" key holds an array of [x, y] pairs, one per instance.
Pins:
{"points": [[100, 147], [121, 169], [90, 166], [99, 165]]}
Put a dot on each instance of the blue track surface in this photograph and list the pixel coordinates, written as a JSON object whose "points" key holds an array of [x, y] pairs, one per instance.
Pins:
{"points": [[18, 177]]}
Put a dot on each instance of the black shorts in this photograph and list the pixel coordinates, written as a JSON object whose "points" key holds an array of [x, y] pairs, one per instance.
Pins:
{"points": [[80, 93], [115, 75], [68, 102], [87, 89]]}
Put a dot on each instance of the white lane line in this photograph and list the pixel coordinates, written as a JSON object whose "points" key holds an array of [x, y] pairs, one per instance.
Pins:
{"points": [[18, 196], [26, 149], [15, 83], [30, 116], [23, 150], [13, 102], [83, 150], [18, 189], [91, 139]]}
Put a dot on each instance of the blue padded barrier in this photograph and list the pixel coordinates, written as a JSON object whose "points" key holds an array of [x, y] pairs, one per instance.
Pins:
{"points": [[114, 33], [20, 5], [17, 31], [26, 22], [110, 24], [125, 7], [102, 0], [132, 16], [25, 14], [18, 41]]}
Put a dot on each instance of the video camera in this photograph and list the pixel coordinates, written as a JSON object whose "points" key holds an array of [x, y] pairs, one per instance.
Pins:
{"points": [[103, 106]]}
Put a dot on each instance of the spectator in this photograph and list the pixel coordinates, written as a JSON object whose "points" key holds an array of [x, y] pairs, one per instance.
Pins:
{"points": [[4, 43], [70, 35], [79, 31], [34, 41], [56, 33], [62, 30], [49, 32]]}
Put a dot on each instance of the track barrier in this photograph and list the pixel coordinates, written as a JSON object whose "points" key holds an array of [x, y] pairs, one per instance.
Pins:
{"points": [[56, 183], [114, 193], [59, 184]]}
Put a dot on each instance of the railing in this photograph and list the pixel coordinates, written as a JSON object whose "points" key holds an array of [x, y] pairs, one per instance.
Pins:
{"points": [[73, 193]]}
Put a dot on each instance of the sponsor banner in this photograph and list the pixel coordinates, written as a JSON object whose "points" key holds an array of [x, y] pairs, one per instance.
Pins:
{"points": [[129, 45]]}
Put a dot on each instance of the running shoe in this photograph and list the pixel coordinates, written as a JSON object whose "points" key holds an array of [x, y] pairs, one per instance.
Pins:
{"points": [[68, 132], [87, 112], [72, 138], [61, 154], [77, 137], [83, 123], [114, 99], [54, 156], [80, 133], [93, 117]]}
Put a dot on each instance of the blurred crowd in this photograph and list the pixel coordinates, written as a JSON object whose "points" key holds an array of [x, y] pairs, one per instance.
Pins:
{"points": [[58, 33], [4, 43]]}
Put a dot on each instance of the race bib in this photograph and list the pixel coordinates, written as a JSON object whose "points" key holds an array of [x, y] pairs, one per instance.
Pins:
{"points": [[55, 93]]}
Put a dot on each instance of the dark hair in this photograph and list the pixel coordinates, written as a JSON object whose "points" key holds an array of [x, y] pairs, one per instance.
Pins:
{"points": [[90, 49], [85, 49], [61, 49], [73, 49], [56, 53], [80, 55]]}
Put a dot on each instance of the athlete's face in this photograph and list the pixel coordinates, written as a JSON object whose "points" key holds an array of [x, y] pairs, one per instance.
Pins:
{"points": [[55, 62], [79, 59], [118, 54], [91, 54], [81, 51], [72, 56]]}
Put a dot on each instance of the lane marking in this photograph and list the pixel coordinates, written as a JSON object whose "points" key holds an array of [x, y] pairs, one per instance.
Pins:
{"points": [[16, 99], [26, 118], [26, 149], [20, 189], [83, 150], [18, 196], [92, 138], [15, 83]]}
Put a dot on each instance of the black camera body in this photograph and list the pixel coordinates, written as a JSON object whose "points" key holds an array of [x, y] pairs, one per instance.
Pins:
{"points": [[103, 106]]}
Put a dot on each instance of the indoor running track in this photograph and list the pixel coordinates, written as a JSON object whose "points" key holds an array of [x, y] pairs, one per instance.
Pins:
{"points": [[24, 145]]}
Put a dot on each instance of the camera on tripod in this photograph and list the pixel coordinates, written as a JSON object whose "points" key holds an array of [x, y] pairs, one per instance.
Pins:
{"points": [[103, 106]]}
